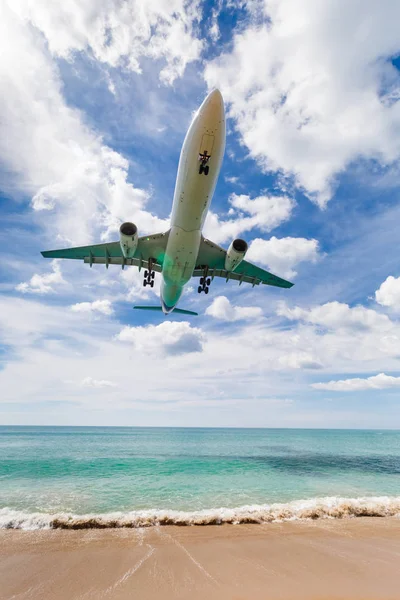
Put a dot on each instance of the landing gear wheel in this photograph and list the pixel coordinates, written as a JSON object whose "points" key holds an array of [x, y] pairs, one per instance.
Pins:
{"points": [[206, 169], [205, 280], [149, 273]]}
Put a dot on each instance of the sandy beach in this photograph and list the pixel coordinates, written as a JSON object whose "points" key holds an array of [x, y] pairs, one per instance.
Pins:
{"points": [[327, 559]]}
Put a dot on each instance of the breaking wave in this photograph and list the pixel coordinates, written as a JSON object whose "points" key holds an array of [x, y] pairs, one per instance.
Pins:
{"points": [[316, 508]]}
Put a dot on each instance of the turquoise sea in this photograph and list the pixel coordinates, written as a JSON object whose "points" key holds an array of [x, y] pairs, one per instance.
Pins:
{"points": [[127, 476]]}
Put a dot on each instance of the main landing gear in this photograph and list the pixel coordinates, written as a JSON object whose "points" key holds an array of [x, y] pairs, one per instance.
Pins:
{"points": [[149, 274], [205, 282], [204, 158]]}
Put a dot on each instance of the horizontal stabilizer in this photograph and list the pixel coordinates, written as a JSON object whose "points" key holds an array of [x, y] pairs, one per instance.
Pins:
{"points": [[179, 311]]}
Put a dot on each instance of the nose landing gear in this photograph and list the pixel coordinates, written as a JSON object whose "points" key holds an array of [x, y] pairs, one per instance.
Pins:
{"points": [[204, 169], [149, 274], [204, 158]]}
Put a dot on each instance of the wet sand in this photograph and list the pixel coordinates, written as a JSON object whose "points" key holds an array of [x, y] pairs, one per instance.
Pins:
{"points": [[357, 559]]}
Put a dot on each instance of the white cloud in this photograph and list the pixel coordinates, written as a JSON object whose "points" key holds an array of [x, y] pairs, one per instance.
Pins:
{"points": [[171, 338], [154, 379], [80, 188], [389, 293], [300, 360], [376, 382], [53, 154], [98, 306], [43, 284], [336, 315], [89, 382], [263, 212], [214, 31], [268, 211], [119, 34], [222, 309], [282, 255], [303, 85], [132, 279]]}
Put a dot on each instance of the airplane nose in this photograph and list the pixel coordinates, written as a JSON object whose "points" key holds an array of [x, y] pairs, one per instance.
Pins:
{"points": [[213, 104], [214, 97]]}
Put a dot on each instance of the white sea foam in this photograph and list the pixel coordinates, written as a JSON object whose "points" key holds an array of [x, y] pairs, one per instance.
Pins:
{"points": [[315, 508]]}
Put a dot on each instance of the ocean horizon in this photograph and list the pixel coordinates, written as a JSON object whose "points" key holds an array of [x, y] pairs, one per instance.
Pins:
{"points": [[82, 476], [196, 427]]}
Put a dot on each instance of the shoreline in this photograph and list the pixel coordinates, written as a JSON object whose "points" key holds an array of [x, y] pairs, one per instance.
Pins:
{"points": [[327, 559], [334, 507]]}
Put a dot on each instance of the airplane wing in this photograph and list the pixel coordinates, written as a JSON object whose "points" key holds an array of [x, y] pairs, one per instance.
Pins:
{"points": [[149, 246], [213, 256]]}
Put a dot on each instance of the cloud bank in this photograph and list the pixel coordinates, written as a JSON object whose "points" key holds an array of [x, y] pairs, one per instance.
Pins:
{"points": [[281, 256], [169, 338], [43, 284], [389, 293], [103, 307], [222, 309], [303, 83], [376, 382]]}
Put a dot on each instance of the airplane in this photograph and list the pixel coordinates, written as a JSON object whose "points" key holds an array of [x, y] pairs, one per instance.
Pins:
{"points": [[183, 252]]}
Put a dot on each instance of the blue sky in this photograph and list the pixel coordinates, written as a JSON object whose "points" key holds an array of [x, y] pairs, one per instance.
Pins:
{"points": [[95, 104]]}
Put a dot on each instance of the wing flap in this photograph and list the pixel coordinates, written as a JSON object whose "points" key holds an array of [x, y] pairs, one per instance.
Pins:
{"points": [[227, 275], [253, 272], [110, 253], [122, 261]]}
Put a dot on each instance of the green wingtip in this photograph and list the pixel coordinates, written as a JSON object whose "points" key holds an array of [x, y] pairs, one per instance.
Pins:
{"points": [[285, 284]]}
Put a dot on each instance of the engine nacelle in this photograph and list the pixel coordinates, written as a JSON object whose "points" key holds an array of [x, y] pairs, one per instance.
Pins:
{"points": [[128, 239], [235, 254]]}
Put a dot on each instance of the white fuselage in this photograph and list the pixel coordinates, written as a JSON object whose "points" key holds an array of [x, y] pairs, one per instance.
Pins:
{"points": [[192, 197]]}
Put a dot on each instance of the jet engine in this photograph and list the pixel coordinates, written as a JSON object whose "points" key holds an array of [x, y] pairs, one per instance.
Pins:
{"points": [[235, 254], [128, 239]]}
